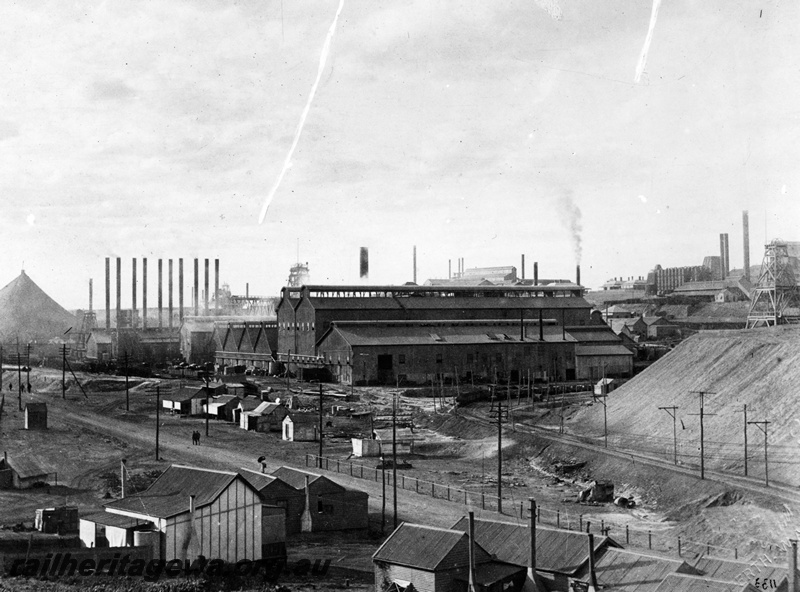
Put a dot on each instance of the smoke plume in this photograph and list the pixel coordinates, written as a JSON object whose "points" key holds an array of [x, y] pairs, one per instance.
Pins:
{"points": [[571, 217], [643, 58]]}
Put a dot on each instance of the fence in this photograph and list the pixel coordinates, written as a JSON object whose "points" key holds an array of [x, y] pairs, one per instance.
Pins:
{"points": [[516, 509]]}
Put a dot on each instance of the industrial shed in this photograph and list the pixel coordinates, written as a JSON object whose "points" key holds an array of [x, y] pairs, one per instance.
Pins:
{"points": [[592, 362], [100, 346], [267, 417], [196, 343], [619, 569], [104, 529], [222, 407], [305, 313], [217, 514], [180, 401], [655, 328], [407, 351], [329, 506], [430, 559], [245, 343], [301, 427]]}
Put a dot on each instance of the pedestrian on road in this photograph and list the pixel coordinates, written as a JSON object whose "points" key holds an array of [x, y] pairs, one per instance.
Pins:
{"points": [[198, 438], [194, 438]]}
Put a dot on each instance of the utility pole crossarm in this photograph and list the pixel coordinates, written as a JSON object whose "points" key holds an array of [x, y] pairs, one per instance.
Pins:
{"points": [[672, 411]]}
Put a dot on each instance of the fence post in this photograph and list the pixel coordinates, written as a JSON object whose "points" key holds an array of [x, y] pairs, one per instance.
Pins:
{"points": [[521, 511], [376, 474], [602, 526], [627, 535], [708, 549], [448, 493], [337, 465], [416, 479], [362, 470], [558, 518], [483, 501], [351, 468], [735, 553], [649, 539], [538, 514], [306, 460], [403, 477], [679, 546], [465, 497], [580, 522], [433, 489], [327, 463], [588, 526]]}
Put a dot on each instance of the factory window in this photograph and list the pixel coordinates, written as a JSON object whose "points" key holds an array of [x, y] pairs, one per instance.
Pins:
{"points": [[438, 358], [402, 358]]}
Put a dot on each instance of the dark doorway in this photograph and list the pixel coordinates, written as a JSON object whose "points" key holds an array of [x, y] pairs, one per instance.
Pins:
{"points": [[385, 372]]}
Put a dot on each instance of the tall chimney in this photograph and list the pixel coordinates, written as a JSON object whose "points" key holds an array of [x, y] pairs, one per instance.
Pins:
{"points": [[169, 292], [144, 292], [578, 274], [247, 290], [535, 273], [91, 295], [196, 291], [216, 285], [727, 256], [108, 293], [363, 265], [793, 567], [122, 478], [205, 289], [449, 269], [722, 256], [522, 267], [180, 288], [592, 572], [746, 238], [160, 293], [472, 584], [119, 290], [133, 292], [415, 264]]}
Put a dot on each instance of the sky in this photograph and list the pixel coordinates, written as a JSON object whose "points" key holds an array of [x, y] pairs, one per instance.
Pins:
{"points": [[473, 129]]}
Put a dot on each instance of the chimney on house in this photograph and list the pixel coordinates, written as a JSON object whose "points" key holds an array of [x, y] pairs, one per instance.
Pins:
{"points": [[592, 571], [472, 583], [793, 566]]}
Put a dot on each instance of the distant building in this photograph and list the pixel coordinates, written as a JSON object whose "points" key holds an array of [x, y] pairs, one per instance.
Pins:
{"points": [[663, 281], [36, 416], [655, 328], [22, 471]]}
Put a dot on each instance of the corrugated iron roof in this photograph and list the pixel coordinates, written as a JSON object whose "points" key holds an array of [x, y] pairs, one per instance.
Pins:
{"points": [[731, 571], [618, 569], [690, 583], [303, 417], [184, 394], [115, 520], [426, 547], [36, 407], [592, 334], [297, 478], [250, 404], [561, 551], [27, 466], [169, 494], [602, 350], [258, 480]]}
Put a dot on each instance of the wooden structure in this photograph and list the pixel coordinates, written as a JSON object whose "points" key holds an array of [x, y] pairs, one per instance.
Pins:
{"points": [[36, 416]]}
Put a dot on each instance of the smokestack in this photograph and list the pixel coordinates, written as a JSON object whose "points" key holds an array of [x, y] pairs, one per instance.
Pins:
{"points": [[169, 292], [160, 294], [133, 292], [532, 567], [363, 269], [415, 264], [122, 478], [119, 290], [472, 583], [578, 274], [793, 566], [91, 295], [205, 289], [180, 288], [592, 572], [144, 292], [522, 267], [535, 273], [216, 285], [727, 256], [449, 269], [196, 291], [247, 290], [746, 238], [108, 293]]}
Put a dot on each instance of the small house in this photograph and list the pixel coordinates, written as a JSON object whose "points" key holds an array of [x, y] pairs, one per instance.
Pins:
{"points": [[403, 441], [36, 416], [605, 386], [327, 506], [267, 417], [180, 400], [21, 472], [222, 407], [301, 427], [246, 405], [276, 492], [62, 520], [417, 557], [366, 447]]}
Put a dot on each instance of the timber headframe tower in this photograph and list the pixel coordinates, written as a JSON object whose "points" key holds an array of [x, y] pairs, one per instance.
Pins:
{"points": [[776, 297]]}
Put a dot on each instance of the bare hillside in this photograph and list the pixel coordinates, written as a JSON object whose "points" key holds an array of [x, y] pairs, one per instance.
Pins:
{"points": [[759, 368]]}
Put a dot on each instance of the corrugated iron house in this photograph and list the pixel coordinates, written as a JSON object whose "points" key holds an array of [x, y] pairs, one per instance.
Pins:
{"points": [[276, 492], [222, 407], [217, 514], [430, 559], [180, 400], [22, 471], [301, 427], [266, 417], [328, 505], [36, 416]]}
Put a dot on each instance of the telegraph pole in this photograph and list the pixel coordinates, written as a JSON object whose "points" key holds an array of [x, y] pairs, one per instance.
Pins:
{"points": [[702, 440], [127, 397], [320, 426], [158, 416], [763, 425], [64, 371], [673, 413], [499, 455], [394, 457], [19, 375], [28, 366]]}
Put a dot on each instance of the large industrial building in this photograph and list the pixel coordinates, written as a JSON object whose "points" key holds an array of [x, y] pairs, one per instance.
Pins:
{"points": [[412, 333]]}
